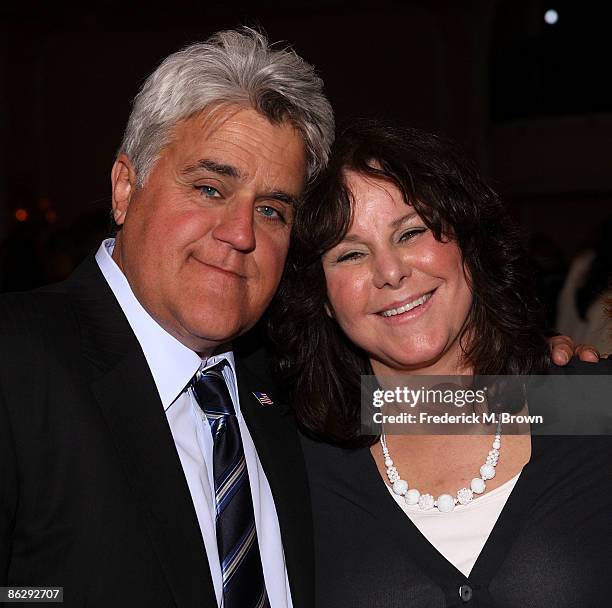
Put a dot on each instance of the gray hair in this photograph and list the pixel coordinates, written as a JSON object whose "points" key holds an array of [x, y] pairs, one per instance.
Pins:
{"points": [[231, 67]]}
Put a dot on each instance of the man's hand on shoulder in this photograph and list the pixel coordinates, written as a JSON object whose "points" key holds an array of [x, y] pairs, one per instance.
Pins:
{"points": [[562, 349]]}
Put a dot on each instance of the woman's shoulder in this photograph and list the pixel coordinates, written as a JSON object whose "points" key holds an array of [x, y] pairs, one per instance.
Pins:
{"points": [[576, 367], [573, 400]]}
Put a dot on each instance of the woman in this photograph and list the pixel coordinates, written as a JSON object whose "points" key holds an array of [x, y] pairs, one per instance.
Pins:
{"points": [[404, 261]]}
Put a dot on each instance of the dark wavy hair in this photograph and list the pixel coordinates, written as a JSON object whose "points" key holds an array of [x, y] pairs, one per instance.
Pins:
{"points": [[504, 331]]}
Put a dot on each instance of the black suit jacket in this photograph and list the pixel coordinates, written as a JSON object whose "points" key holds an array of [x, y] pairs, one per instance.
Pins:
{"points": [[92, 493]]}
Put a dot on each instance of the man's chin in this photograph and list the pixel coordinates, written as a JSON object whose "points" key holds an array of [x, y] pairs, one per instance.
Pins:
{"points": [[208, 338]]}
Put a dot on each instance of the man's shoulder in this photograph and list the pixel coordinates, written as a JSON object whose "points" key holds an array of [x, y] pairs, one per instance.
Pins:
{"points": [[26, 309], [253, 351], [33, 321], [42, 308], [258, 361], [255, 357]]}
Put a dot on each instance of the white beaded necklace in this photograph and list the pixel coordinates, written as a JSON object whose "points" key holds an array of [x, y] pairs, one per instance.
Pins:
{"points": [[445, 503]]}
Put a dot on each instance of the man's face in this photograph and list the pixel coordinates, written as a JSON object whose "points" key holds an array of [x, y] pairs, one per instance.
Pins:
{"points": [[203, 243]]}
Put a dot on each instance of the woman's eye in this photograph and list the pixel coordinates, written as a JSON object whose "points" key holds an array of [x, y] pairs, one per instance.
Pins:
{"points": [[351, 255], [209, 191], [409, 234], [270, 213]]}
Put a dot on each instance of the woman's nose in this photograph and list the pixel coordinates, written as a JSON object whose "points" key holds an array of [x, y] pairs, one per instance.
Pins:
{"points": [[390, 269]]}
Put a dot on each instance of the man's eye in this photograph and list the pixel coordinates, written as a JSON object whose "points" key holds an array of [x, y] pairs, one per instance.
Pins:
{"points": [[271, 213], [209, 191]]}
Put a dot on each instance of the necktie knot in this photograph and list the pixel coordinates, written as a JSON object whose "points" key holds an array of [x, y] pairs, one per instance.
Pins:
{"points": [[213, 397]]}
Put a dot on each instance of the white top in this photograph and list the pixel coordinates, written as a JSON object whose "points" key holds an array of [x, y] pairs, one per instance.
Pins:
{"points": [[461, 534], [173, 366]]}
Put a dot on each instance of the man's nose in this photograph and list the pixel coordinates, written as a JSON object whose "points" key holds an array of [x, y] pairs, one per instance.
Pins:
{"points": [[236, 227], [390, 269]]}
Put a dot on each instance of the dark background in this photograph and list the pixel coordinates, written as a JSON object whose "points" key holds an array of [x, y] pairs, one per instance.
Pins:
{"points": [[530, 102]]}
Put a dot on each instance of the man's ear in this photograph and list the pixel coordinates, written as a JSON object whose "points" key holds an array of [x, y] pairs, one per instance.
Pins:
{"points": [[123, 183]]}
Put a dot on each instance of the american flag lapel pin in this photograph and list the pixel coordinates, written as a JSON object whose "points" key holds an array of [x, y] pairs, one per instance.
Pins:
{"points": [[263, 398]]}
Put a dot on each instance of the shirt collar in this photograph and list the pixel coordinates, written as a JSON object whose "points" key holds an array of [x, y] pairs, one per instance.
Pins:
{"points": [[172, 364]]}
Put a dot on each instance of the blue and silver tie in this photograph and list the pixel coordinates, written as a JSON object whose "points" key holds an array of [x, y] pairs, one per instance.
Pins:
{"points": [[243, 581]]}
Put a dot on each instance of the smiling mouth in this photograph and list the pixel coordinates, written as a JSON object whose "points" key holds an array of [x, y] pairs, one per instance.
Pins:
{"points": [[232, 273], [392, 312]]}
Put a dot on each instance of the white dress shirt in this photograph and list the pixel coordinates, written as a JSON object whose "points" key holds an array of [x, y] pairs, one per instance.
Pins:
{"points": [[172, 366]]}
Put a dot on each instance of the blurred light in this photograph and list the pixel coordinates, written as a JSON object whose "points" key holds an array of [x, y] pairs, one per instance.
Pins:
{"points": [[21, 215], [44, 203], [551, 16], [51, 216]]}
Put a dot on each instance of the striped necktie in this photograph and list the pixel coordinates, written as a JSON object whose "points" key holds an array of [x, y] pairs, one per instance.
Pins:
{"points": [[243, 581]]}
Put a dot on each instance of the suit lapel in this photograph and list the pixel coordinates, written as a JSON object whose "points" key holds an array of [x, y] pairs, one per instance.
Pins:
{"points": [[125, 391], [276, 440]]}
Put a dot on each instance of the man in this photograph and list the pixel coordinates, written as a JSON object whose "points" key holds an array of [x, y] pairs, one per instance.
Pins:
{"points": [[113, 478], [142, 461]]}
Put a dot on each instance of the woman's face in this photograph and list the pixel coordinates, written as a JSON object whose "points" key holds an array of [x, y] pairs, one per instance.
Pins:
{"points": [[397, 292]]}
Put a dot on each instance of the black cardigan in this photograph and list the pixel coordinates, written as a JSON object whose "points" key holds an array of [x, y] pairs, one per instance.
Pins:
{"points": [[551, 546]]}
